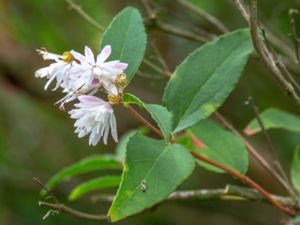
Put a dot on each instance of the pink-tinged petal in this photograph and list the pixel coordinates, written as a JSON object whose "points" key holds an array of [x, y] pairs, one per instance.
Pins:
{"points": [[121, 66], [110, 64], [104, 54], [89, 55], [90, 99]]}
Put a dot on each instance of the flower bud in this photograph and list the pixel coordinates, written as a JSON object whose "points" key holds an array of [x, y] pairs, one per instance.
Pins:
{"points": [[114, 99], [121, 79]]}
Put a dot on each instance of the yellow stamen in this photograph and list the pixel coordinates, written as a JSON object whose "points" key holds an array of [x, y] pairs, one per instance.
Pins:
{"points": [[114, 99], [67, 57]]}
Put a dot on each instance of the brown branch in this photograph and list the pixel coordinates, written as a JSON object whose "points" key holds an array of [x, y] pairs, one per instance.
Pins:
{"points": [[61, 208], [266, 56], [243, 178], [144, 121], [247, 181], [202, 13], [253, 151]]}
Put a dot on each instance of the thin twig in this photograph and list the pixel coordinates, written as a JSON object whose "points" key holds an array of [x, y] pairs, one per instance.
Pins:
{"points": [[294, 34], [86, 16], [156, 68], [169, 29], [272, 150], [253, 151], [266, 56], [229, 193], [279, 62], [256, 111], [283, 47], [153, 21], [242, 9], [161, 59], [151, 13], [144, 75], [58, 207], [289, 75], [50, 192], [208, 17], [72, 212], [247, 181]]}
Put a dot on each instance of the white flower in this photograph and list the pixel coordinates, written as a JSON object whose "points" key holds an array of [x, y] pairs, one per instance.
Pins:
{"points": [[58, 70], [95, 117], [105, 72]]}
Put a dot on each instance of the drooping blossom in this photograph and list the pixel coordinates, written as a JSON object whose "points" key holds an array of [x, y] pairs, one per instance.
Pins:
{"points": [[95, 117], [81, 77]]}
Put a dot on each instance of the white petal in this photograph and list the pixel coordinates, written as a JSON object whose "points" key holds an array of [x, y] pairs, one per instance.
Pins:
{"points": [[78, 56], [104, 54], [89, 55], [49, 82], [43, 72], [113, 127]]}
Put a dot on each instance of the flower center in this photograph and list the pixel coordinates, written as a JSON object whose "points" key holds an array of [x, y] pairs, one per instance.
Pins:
{"points": [[67, 57], [114, 99]]}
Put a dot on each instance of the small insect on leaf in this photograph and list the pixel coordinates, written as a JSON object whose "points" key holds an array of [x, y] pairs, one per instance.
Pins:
{"points": [[143, 186]]}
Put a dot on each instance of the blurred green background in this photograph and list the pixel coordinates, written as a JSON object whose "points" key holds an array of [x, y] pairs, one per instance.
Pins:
{"points": [[37, 139]]}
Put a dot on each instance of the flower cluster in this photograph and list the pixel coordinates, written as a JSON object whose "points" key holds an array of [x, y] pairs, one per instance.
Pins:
{"points": [[81, 77]]}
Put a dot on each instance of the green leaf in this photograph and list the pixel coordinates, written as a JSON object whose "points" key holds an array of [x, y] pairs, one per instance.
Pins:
{"points": [[204, 80], [153, 169], [90, 164], [122, 145], [131, 99], [162, 117], [126, 34], [220, 146], [295, 170], [274, 118], [160, 114], [94, 184]]}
